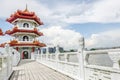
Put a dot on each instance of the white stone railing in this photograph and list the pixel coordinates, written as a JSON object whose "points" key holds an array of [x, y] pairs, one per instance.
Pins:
{"points": [[98, 65], [15, 57], [107, 69], [5, 71], [8, 58], [66, 63], [84, 65]]}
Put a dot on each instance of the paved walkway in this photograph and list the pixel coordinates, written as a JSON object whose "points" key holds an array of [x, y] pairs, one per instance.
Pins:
{"points": [[32, 70]]}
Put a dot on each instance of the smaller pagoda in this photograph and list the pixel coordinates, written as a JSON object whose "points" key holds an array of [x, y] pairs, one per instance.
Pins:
{"points": [[25, 32]]}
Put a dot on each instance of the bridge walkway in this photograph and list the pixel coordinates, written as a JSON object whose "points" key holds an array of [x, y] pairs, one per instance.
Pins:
{"points": [[32, 70]]}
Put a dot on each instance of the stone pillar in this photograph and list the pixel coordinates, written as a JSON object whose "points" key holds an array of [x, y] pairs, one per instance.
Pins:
{"points": [[41, 54], [81, 58], [47, 52], [115, 57], [57, 49], [38, 52], [66, 57], [7, 48], [57, 52], [86, 59]]}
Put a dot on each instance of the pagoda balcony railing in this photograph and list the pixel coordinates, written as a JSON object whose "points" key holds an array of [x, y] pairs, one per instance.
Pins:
{"points": [[97, 65], [30, 28], [25, 41]]}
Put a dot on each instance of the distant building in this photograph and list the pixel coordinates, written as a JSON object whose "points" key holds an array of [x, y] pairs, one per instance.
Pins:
{"points": [[51, 49]]}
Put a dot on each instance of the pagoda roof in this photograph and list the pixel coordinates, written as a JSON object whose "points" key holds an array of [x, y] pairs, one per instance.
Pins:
{"points": [[15, 30], [3, 44], [26, 14], [34, 43], [1, 32]]}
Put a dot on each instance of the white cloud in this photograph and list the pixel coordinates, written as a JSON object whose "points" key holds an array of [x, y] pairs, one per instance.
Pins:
{"points": [[106, 11], [9, 7], [105, 39], [103, 11], [68, 12], [64, 37]]}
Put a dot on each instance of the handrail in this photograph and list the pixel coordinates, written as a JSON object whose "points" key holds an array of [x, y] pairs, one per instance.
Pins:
{"points": [[8, 59], [72, 69]]}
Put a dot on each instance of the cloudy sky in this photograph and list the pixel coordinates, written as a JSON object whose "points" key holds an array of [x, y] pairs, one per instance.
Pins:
{"points": [[65, 21]]}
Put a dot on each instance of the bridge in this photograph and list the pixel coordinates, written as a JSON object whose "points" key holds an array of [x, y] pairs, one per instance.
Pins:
{"points": [[32, 70], [81, 65]]}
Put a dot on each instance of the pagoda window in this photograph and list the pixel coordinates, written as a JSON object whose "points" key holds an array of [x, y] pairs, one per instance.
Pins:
{"points": [[15, 23], [26, 25], [35, 24], [25, 38]]}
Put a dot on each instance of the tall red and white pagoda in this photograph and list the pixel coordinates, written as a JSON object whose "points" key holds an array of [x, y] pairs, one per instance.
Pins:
{"points": [[25, 32]]}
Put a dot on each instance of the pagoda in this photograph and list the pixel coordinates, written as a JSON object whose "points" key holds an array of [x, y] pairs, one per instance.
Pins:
{"points": [[25, 32]]}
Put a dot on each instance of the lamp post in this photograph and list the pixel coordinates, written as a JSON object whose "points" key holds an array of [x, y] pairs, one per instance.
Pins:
{"points": [[81, 57]]}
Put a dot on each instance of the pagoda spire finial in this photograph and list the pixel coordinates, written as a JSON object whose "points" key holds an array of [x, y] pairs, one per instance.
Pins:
{"points": [[26, 9]]}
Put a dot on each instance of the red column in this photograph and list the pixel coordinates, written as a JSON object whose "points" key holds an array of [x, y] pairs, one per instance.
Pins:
{"points": [[17, 48], [33, 49]]}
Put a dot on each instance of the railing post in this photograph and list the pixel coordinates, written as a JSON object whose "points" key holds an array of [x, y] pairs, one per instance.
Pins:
{"points": [[7, 48], [86, 56], [38, 53], [47, 53], [115, 57], [10, 57], [56, 56], [66, 57], [41, 55], [57, 49], [81, 58]]}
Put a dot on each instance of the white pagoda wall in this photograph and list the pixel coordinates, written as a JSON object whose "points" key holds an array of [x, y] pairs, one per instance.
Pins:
{"points": [[21, 22], [20, 37], [20, 50]]}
